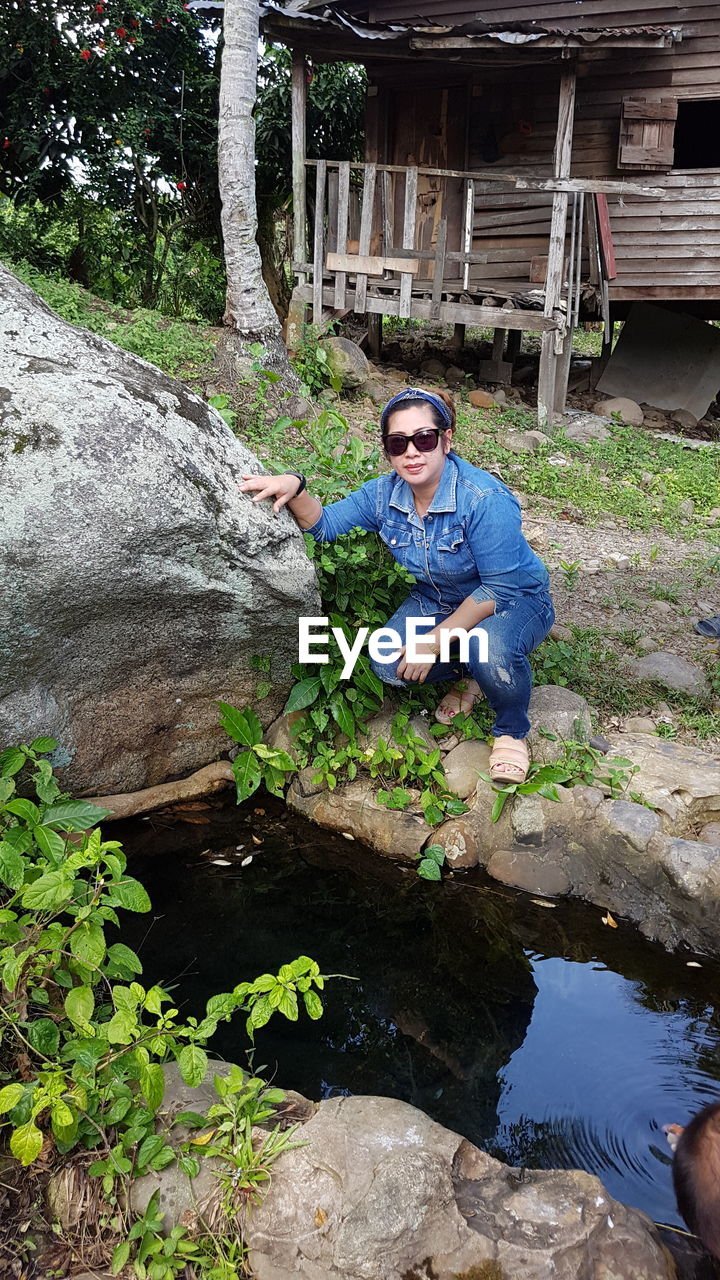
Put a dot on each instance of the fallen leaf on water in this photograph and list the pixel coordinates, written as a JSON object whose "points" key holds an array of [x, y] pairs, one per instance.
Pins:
{"points": [[347, 835], [692, 964], [320, 1217], [542, 902], [255, 840], [246, 861], [609, 920], [260, 811], [221, 862]]}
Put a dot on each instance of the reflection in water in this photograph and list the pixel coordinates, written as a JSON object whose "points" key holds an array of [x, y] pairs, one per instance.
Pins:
{"points": [[595, 1078], [539, 1034]]}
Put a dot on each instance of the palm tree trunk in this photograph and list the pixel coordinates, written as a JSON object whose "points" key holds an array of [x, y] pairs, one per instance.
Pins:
{"points": [[249, 310]]}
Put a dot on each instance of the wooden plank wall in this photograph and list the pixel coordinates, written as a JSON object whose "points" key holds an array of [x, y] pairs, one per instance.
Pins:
{"points": [[665, 249]]}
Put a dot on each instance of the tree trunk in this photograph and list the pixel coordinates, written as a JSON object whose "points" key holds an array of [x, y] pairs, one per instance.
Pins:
{"points": [[249, 310]]}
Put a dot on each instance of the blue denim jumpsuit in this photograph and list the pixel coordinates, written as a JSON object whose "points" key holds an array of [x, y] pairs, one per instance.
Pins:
{"points": [[470, 543]]}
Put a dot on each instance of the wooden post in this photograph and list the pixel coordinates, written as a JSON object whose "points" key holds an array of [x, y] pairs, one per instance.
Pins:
{"points": [[547, 389], [375, 335], [319, 242], [562, 366], [366, 223], [439, 272], [299, 97], [458, 338], [342, 230], [514, 345], [406, 280]]}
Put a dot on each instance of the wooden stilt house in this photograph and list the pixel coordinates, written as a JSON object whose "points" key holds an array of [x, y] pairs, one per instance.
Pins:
{"points": [[525, 166]]}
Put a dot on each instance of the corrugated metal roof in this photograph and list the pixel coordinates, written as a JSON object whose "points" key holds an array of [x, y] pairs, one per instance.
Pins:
{"points": [[513, 33]]}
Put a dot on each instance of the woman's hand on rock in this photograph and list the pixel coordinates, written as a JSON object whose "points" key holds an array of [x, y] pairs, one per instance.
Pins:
{"points": [[278, 489]]}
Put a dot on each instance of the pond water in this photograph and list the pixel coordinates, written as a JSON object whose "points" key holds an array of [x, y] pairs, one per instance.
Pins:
{"points": [[544, 1036]]}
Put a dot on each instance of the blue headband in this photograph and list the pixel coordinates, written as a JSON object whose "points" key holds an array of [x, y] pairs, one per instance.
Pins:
{"points": [[414, 393]]}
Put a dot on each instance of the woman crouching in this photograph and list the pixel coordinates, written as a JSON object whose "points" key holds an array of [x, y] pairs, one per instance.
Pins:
{"points": [[457, 530]]}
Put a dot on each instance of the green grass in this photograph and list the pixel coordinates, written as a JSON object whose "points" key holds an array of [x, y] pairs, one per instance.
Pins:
{"points": [[611, 477], [178, 347]]}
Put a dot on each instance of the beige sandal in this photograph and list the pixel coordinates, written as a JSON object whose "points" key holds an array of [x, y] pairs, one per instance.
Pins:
{"points": [[509, 760], [463, 696]]}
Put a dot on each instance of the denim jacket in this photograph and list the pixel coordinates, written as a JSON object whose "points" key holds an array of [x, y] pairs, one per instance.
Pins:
{"points": [[470, 542]]}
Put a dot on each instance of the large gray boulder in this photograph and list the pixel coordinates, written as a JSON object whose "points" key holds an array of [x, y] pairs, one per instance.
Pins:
{"points": [[136, 581], [378, 1191]]}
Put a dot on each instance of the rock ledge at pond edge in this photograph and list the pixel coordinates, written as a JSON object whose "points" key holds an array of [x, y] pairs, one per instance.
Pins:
{"points": [[641, 861]]}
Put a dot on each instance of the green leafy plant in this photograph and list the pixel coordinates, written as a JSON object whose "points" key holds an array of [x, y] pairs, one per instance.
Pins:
{"points": [[91, 1037], [431, 862], [541, 780], [312, 364], [256, 763], [579, 763], [571, 573], [223, 405]]}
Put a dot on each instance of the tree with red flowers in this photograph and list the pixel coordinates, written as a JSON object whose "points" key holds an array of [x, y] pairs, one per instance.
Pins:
{"points": [[112, 105]]}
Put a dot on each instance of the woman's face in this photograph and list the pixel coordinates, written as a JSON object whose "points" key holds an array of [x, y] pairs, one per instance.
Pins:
{"points": [[412, 465]]}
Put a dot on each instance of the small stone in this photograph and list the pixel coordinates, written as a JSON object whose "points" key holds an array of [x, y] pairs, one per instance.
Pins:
{"points": [[528, 820], [560, 632], [646, 478], [522, 500], [635, 822], [686, 509], [714, 515], [663, 712], [585, 427], [705, 609], [500, 396], [599, 743], [433, 369], [616, 560], [377, 393], [684, 418], [454, 376], [463, 764], [647, 644], [524, 441], [482, 399], [628, 410], [529, 871], [459, 839], [639, 724], [710, 833], [661, 606], [561, 712], [536, 537], [672, 671]]}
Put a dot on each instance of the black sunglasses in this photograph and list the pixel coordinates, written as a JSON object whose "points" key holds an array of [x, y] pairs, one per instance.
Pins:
{"points": [[425, 440]]}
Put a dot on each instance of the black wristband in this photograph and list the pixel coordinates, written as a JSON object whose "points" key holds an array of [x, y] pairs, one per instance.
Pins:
{"points": [[301, 486]]}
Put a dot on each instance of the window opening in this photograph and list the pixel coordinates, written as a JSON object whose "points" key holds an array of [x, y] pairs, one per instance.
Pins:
{"points": [[697, 135]]}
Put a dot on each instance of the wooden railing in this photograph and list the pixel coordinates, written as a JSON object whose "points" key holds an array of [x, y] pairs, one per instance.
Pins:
{"points": [[394, 261]]}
